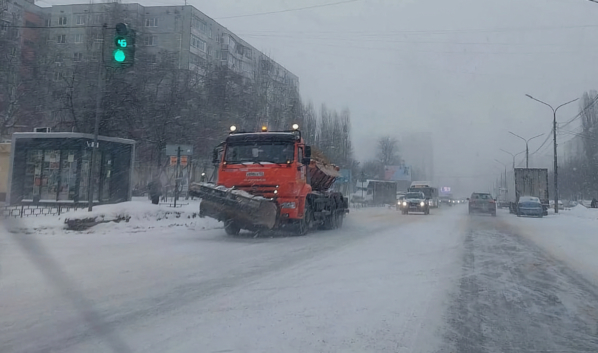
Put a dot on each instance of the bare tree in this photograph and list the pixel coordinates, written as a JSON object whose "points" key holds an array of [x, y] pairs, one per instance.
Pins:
{"points": [[388, 150]]}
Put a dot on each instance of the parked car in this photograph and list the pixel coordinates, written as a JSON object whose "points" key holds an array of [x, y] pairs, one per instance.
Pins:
{"points": [[480, 202], [530, 206], [561, 205]]}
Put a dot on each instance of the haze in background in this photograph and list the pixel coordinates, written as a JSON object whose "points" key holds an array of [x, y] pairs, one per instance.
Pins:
{"points": [[458, 69]]}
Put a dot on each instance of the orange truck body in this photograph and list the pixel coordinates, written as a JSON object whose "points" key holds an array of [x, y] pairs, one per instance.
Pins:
{"points": [[285, 188]]}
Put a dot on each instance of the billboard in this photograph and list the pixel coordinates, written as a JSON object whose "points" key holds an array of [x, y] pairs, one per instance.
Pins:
{"points": [[397, 173], [445, 190]]}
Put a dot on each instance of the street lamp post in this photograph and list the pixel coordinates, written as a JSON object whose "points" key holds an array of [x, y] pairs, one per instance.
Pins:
{"points": [[526, 146], [556, 173], [512, 155], [505, 170]]}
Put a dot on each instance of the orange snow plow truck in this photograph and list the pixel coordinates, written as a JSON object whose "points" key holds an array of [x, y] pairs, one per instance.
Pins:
{"points": [[268, 180]]}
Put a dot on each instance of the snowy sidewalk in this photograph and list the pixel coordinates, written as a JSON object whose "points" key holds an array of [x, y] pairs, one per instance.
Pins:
{"points": [[125, 217]]}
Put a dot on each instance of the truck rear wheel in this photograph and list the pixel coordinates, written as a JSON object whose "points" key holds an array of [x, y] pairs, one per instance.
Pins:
{"points": [[305, 224], [330, 221], [231, 228], [340, 218]]}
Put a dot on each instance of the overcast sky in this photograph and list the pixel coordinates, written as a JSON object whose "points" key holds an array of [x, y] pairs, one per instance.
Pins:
{"points": [[457, 68]]}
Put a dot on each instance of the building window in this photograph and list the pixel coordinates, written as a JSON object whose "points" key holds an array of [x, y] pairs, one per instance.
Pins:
{"points": [[79, 38], [200, 25], [78, 57], [61, 39], [151, 22], [197, 60], [3, 25], [99, 18], [58, 75], [198, 43], [80, 19], [48, 22], [149, 41], [97, 45], [62, 21]]}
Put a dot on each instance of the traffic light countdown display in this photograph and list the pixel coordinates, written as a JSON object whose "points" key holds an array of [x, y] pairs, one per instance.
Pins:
{"points": [[124, 41]]}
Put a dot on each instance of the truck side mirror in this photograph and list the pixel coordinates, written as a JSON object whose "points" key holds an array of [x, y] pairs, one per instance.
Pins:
{"points": [[307, 152]]}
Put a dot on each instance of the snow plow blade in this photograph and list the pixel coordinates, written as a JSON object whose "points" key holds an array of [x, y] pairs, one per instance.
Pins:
{"points": [[247, 211]]}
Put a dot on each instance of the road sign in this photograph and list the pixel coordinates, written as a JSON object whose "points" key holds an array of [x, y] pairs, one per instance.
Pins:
{"points": [[173, 160], [183, 161], [172, 150]]}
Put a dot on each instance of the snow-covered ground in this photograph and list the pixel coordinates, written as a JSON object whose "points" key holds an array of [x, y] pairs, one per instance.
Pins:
{"points": [[571, 236], [140, 216], [447, 282], [379, 284]]}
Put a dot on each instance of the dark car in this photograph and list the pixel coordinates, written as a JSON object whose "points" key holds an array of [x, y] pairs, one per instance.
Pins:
{"points": [[530, 206], [482, 203], [415, 202]]}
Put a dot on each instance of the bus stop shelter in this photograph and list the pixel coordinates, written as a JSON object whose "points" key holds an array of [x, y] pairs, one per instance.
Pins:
{"points": [[54, 167]]}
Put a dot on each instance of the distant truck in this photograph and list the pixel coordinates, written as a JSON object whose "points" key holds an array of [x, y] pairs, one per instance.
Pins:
{"points": [[429, 191], [528, 182], [502, 198], [383, 192]]}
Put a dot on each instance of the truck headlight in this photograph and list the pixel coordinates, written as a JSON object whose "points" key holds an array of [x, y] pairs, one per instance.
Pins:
{"points": [[288, 205], [422, 204], [404, 203]]}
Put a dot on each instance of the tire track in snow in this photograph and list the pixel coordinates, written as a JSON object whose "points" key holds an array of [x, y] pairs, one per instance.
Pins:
{"points": [[514, 297]]}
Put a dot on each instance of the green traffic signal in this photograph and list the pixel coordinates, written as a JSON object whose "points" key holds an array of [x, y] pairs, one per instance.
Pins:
{"points": [[119, 55], [123, 55]]}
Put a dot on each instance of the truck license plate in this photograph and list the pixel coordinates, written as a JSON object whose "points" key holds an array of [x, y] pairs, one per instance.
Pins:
{"points": [[254, 174]]}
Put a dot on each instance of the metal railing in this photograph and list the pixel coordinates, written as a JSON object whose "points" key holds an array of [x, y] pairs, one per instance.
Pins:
{"points": [[20, 211]]}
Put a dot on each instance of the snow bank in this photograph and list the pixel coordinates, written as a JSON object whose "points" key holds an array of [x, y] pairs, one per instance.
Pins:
{"points": [[571, 235], [133, 216]]}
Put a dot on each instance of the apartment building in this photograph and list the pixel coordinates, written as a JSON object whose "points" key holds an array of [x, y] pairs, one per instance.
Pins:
{"points": [[191, 35], [20, 43]]}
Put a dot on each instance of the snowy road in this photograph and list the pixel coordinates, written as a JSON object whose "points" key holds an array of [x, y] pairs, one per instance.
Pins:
{"points": [[384, 283]]}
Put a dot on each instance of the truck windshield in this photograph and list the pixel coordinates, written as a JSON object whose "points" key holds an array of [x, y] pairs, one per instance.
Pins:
{"points": [[259, 153], [414, 195], [427, 191]]}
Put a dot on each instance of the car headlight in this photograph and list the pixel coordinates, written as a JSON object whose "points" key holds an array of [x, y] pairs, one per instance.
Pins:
{"points": [[404, 203], [288, 205], [422, 203]]}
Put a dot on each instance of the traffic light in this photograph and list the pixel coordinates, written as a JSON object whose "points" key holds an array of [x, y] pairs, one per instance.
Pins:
{"points": [[124, 42]]}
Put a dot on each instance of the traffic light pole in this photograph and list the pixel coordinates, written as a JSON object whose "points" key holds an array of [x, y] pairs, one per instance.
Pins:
{"points": [[96, 130], [178, 172]]}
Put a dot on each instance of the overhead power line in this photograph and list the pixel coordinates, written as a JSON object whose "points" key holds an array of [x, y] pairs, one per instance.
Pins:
{"points": [[287, 10], [580, 112]]}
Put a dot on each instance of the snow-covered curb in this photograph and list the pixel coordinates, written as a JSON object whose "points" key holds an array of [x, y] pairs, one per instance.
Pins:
{"points": [[131, 216]]}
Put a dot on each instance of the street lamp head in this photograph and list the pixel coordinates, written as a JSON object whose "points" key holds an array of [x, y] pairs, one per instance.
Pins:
{"points": [[529, 96]]}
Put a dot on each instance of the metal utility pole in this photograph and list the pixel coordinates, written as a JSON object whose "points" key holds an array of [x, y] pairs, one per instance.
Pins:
{"points": [[526, 146], [512, 155], [96, 130], [178, 174], [556, 173], [505, 170]]}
